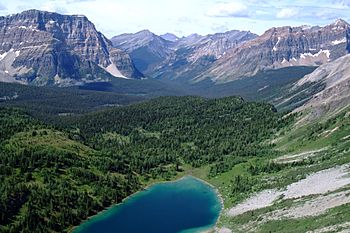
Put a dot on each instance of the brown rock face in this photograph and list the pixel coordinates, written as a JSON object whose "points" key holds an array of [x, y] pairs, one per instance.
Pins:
{"points": [[45, 48], [282, 47]]}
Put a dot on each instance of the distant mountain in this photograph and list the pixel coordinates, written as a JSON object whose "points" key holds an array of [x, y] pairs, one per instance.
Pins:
{"points": [[44, 48], [159, 57], [282, 47], [169, 37], [194, 54], [145, 48]]}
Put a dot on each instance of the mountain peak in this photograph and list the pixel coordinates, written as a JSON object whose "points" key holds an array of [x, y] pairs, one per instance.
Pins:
{"points": [[340, 22], [169, 37], [145, 32]]}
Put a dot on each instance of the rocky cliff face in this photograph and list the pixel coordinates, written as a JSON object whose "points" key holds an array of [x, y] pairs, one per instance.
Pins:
{"points": [[45, 48], [282, 47]]}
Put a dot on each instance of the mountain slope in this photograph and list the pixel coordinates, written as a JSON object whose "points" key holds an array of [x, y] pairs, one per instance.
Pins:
{"points": [[335, 94], [194, 54], [281, 47], [45, 48], [145, 48]]}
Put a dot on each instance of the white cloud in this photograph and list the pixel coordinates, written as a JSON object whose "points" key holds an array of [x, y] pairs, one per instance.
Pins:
{"points": [[286, 13], [55, 6], [2, 7], [327, 15], [232, 9], [185, 17], [341, 4]]}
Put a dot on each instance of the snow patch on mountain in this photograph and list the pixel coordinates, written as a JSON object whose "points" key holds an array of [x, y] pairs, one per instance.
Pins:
{"points": [[336, 42], [306, 59], [278, 41], [320, 53]]}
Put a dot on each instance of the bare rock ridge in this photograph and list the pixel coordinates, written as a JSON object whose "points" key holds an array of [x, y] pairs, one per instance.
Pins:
{"points": [[282, 47], [44, 48]]}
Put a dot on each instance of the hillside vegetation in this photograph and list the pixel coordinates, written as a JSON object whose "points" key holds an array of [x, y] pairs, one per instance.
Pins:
{"points": [[54, 176]]}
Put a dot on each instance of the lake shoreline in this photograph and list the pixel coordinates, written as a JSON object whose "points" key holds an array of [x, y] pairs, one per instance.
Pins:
{"points": [[146, 188]]}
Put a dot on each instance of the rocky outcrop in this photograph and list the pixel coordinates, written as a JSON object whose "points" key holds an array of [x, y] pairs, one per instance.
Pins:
{"points": [[44, 48], [282, 47]]}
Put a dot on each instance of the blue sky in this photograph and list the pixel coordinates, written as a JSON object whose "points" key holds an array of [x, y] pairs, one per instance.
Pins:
{"points": [[184, 17]]}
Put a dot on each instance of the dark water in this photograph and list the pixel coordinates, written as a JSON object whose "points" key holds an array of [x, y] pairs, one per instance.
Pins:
{"points": [[187, 205]]}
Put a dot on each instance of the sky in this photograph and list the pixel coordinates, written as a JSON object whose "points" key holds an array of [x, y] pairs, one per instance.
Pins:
{"points": [[184, 17]]}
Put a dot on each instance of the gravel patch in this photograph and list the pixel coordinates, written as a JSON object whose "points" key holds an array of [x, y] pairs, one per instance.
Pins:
{"points": [[290, 158], [261, 200], [314, 207], [318, 183]]}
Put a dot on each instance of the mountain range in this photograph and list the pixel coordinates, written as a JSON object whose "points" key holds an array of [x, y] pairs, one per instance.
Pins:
{"points": [[161, 57], [233, 55], [49, 49], [282, 47]]}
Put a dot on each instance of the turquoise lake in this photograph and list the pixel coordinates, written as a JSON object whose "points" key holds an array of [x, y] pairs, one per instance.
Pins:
{"points": [[186, 205]]}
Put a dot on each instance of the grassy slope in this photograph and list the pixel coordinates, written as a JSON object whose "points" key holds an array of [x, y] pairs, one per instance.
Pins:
{"points": [[330, 134]]}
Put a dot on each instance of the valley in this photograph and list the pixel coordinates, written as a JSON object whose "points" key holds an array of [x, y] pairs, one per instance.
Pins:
{"points": [[259, 122]]}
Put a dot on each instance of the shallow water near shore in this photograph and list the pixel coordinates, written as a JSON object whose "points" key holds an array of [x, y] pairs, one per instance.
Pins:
{"points": [[186, 205]]}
